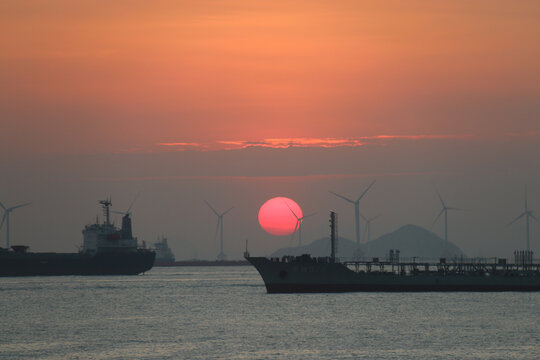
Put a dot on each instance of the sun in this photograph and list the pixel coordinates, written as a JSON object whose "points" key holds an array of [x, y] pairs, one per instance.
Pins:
{"points": [[276, 216]]}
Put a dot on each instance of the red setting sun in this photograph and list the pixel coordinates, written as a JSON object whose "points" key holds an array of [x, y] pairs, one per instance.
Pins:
{"points": [[276, 216]]}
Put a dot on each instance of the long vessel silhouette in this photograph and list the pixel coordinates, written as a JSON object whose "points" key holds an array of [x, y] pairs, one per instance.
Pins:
{"points": [[297, 274], [106, 250]]}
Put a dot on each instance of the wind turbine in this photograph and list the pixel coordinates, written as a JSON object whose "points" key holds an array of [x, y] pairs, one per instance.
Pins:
{"points": [[445, 211], [528, 214], [7, 212], [368, 225], [219, 226], [299, 222], [356, 204]]}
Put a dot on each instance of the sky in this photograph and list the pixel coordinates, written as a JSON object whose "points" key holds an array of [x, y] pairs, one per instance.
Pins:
{"points": [[235, 102]]}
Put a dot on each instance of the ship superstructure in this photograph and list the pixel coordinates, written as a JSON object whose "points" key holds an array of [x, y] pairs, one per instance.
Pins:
{"points": [[106, 237]]}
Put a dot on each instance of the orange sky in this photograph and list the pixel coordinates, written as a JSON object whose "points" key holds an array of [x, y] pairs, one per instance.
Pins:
{"points": [[92, 76]]}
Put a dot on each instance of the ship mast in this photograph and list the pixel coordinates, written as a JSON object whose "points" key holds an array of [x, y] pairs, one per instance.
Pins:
{"points": [[333, 235], [106, 204]]}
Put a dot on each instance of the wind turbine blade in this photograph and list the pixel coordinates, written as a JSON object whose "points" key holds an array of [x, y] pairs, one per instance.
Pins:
{"points": [[228, 210], [365, 191], [309, 215], [3, 219], [440, 198], [296, 216], [375, 217], [343, 197], [525, 198], [516, 219], [362, 216], [133, 202], [437, 218], [210, 206], [2, 205], [530, 214], [18, 206]]}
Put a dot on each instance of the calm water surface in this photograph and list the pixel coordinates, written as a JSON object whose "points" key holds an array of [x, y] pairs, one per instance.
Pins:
{"points": [[225, 313]]}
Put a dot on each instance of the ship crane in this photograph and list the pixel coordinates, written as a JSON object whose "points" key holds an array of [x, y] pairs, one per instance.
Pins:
{"points": [[128, 211]]}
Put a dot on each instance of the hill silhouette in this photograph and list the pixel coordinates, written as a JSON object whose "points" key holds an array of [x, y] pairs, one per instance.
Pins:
{"points": [[410, 240]]}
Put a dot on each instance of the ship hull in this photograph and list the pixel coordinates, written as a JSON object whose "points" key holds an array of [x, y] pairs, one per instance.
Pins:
{"points": [[298, 277], [51, 264]]}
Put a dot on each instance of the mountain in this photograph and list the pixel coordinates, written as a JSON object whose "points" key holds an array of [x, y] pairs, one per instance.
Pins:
{"points": [[410, 240]]}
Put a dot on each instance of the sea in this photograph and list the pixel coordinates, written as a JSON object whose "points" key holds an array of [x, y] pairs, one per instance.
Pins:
{"points": [[226, 313]]}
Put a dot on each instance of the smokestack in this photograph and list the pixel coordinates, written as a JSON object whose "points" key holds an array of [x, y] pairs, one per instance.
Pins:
{"points": [[126, 227]]}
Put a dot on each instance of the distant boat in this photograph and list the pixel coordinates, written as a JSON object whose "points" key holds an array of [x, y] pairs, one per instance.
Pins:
{"points": [[297, 274], [164, 254], [106, 250]]}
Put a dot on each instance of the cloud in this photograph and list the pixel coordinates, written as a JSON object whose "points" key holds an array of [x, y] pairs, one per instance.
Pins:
{"points": [[523, 134], [303, 142], [272, 179], [422, 137], [283, 143]]}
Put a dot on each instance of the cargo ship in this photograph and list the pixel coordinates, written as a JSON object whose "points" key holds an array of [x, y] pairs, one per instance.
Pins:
{"points": [[302, 274], [106, 250], [164, 254]]}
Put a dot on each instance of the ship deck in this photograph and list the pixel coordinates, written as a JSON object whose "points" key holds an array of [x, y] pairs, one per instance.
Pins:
{"points": [[419, 266], [458, 266]]}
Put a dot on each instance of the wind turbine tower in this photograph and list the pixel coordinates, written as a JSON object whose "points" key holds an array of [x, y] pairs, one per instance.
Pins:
{"points": [[299, 222], [219, 227], [528, 214], [445, 211], [356, 204], [368, 225], [5, 218]]}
